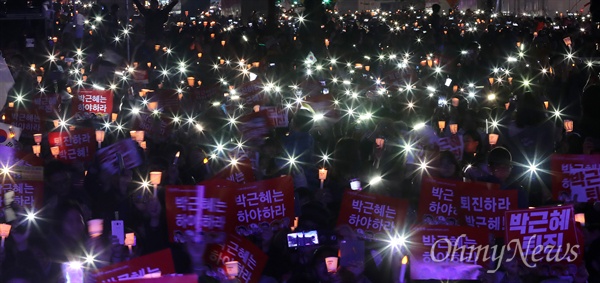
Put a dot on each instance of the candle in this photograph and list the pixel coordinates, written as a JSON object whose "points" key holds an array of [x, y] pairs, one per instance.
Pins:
{"points": [[11, 104], [326, 42], [546, 103], [453, 128], [368, 68], [223, 43], [199, 54], [143, 145], [191, 81], [37, 138], [580, 217], [129, 241], [39, 79], [155, 179], [491, 80], [232, 269], [139, 136], [380, 142], [36, 149], [56, 123], [442, 125], [132, 134], [152, 105], [493, 139], [331, 263], [455, 88], [568, 126], [510, 79], [322, 176], [95, 227], [55, 150], [507, 105], [4, 232], [176, 158], [156, 47], [100, 137], [256, 108], [113, 116], [403, 269]]}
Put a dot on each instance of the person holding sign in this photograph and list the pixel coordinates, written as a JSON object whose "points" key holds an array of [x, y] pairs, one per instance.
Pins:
{"points": [[500, 165]]}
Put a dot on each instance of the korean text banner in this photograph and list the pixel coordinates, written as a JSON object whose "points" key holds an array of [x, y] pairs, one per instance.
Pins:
{"points": [[26, 178], [77, 145], [372, 215], [264, 203], [483, 208], [93, 101], [251, 260], [455, 256], [546, 234], [575, 177], [239, 172], [161, 261], [182, 208]]}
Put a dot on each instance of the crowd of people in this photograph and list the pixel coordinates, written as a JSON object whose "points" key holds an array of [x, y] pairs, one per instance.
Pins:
{"points": [[396, 83]]}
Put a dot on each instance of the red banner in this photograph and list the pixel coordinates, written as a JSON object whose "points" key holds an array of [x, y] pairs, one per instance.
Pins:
{"points": [[267, 202], [93, 101], [252, 93], [437, 202], [161, 261], [251, 260], [575, 177], [188, 278], [47, 103], [241, 172], [483, 208], [545, 234], [26, 178], [182, 208], [76, 145], [31, 122], [372, 215], [456, 252]]}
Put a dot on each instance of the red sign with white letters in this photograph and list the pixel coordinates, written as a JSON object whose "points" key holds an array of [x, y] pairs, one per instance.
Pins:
{"points": [[269, 202], [161, 261], [26, 178], [93, 101], [252, 93], [251, 260], [48, 103], [188, 278], [372, 215], [76, 145], [484, 208], [575, 177], [546, 234], [182, 208], [454, 256], [31, 122]]}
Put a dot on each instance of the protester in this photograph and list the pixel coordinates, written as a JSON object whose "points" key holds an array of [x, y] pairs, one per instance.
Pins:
{"points": [[384, 126]]}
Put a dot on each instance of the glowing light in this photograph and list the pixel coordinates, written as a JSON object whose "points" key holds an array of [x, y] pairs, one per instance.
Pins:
{"points": [[135, 110], [375, 180], [491, 96], [30, 216], [419, 126], [318, 117]]}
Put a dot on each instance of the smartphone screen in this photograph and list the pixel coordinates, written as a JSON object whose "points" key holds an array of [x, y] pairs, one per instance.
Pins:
{"points": [[302, 239], [355, 185]]}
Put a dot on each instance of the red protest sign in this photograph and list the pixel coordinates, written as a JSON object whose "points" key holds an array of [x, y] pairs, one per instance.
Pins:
{"points": [[161, 261], [26, 178], [123, 154], [31, 122], [182, 208], [371, 215], [437, 202], [47, 103], [76, 145], [188, 278], [546, 234], [575, 177], [204, 94], [458, 252], [277, 115], [93, 101], [267, 202], [484, 208], [251, 260], [252, 93], [240, 172]]}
